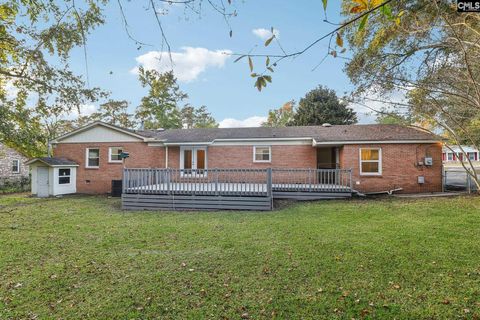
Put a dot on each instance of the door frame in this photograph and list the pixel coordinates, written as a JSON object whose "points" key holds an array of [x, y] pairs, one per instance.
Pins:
{"points": [[194, 161]]}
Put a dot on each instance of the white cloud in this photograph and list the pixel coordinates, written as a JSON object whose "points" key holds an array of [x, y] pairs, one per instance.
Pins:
{"points": [[254, 121], [265, 34], [187, 65], [85, 110]]}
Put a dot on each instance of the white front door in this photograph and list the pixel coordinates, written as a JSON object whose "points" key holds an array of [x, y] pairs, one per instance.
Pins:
{"points": [[193, 160], [42, 182]]}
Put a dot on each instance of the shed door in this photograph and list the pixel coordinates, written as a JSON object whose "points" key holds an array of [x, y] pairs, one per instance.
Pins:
{"points": [[42, 182]]}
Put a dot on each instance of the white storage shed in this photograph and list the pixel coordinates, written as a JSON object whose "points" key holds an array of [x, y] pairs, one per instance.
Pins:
{"points": [[53, 176]]}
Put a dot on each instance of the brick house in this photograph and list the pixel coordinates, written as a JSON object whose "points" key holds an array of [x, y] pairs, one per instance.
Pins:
{"points": [[381, 157], [12, 164]]}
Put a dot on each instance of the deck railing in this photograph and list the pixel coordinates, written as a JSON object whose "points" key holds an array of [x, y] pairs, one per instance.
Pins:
{"points": [[312, 180], [241, 182]]}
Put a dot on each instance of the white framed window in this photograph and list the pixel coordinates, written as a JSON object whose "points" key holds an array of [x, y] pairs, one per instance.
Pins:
{"points": [[471, 156], [64, 176], [93, 158], [370, 161], [114, 154], [262, 154], [16, 166], [450, 156]]}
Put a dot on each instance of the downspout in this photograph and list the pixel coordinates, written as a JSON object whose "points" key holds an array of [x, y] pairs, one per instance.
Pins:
{"points": [[166, 157]]}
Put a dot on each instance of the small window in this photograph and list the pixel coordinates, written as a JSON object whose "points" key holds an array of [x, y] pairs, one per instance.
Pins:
{"points": [[371, 161], [450, 156], [16, 166], [262, 154], [471, 156], [114, 154], [63, 176], [93, 158]]}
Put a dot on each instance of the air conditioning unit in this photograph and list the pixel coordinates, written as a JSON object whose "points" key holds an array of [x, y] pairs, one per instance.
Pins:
{"points": [[428, 161]]}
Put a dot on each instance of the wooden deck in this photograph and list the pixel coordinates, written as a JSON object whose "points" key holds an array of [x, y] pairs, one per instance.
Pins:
{"points": [[239, 189]]}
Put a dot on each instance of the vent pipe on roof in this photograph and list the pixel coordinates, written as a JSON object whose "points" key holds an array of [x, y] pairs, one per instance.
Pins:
{"points": [[326, 125]]}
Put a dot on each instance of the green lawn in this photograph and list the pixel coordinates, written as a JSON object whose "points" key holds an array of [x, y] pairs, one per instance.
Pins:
{"points": [[82, 257]]}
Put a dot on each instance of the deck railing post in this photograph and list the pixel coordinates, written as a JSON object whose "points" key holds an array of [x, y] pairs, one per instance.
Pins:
{"points": [[269, 182], [167, 177], [310, 179], [216, 181], [350, 174], [124, 180]]}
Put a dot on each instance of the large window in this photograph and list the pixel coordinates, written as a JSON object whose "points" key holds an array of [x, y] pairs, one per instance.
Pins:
{"points": [[93, 158], [370, 161], [16, 166], [63, 176], [450, 156], [262, 154], [114, 154]]}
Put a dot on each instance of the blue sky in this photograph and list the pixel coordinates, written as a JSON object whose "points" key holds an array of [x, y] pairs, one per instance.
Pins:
{"points": [[207, 76]]}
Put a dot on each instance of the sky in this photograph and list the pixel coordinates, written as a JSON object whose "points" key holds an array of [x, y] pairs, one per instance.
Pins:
{"points": [[198, 45]]}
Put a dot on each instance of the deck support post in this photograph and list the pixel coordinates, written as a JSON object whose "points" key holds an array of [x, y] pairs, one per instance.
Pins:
{"points": [[269, 182]]}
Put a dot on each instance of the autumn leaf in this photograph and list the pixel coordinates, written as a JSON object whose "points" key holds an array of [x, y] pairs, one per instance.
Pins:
{"points": [[361, 6], [339, 40], [269, 40]]}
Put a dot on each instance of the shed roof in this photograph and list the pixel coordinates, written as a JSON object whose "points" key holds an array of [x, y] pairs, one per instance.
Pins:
{"points": [[54, 162]]}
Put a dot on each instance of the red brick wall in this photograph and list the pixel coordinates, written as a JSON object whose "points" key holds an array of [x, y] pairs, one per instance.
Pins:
{"points": [[174, 157], [286, 156], [242, 157], [141, 156], [399, 169]]}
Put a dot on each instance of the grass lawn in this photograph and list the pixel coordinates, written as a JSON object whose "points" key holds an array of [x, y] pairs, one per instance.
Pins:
{"points": [[82, 257]]}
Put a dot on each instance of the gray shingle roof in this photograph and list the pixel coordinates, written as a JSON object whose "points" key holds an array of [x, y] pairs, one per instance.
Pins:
{"points": [[52, 161], [340, 133]]}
